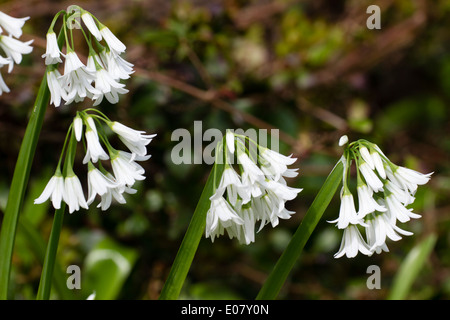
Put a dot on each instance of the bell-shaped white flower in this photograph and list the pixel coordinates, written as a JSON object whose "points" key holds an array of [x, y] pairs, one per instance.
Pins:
{"points": [[115, 193], [352, 243], [135, 140], [77, 79], [14, 49], [384, 228], [126, 170], [73, 193], [57, 92], [114, 44], [52, 54], [94, 150], [54, 190], [408, 179], [98, 183], [108, 87], [366, 202], [231, 182], [12, 25], [78, 127], [91, 25], [219, 217], [370, 176], [347, 211], [117, 66], [398, 211]]}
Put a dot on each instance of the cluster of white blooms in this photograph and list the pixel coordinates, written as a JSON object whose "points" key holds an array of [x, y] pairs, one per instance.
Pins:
{"points": [[104, 69], [384, 190], [124, 164], [257, 193], [11, 47]]}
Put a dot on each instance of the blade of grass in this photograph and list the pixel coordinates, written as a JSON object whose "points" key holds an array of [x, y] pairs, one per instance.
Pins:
{"points": [[20, 180], [191, 240], [18, 186], [286, 262], [410, 268]]}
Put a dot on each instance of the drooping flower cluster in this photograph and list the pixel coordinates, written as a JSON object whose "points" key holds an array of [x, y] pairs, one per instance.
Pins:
{"points": [[11, 47], [104, 69], [256, 192], [384, 191], [107, 185]]}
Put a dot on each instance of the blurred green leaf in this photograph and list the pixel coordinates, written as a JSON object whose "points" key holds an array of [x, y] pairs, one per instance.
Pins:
{"points": [[410, 268], [106, 268]]}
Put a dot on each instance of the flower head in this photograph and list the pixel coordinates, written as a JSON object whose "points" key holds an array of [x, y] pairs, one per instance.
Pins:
{"points": [[384, 192], [256, 193]]}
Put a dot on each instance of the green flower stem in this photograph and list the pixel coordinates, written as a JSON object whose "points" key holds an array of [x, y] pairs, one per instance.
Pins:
{"points": [[20, 181], [286, 262], [45, 284], [191, 240]]}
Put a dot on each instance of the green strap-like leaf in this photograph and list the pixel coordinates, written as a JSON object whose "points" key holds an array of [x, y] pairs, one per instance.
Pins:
{"points": [[410, 268], [191, 240], [18, 186], [278, 276]]}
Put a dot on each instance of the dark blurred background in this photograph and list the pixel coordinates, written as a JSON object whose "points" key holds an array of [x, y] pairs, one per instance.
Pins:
{"points": [[311, 69]]}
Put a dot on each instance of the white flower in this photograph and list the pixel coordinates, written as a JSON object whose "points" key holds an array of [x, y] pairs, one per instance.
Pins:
{"points": [[94, 149], [108, 87], [53, 190], [73, 194], [398, 210], [282, 191], [117, 66], [57, 92], [78, 127], [77, 79], [114, 44], [408, 179], [52, 54], [125, 169], [367, 157], [371, 178], [248, 234], [219, 217], [229, 138], [275, 162], [115, 192], [352, 243], [366, 202], [91, 25], [12, 25], [378, 163], [343, 140], [372, 234], [99, 184], [402, 195], [249, 168], [383, 228], [347, 212], [14, 49], [231, 182], [135, 140]]}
